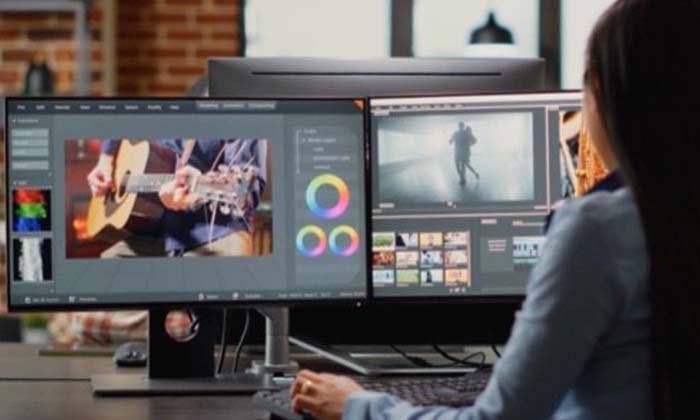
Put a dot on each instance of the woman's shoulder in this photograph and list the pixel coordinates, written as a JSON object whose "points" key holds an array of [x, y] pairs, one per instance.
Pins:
{"points": [[606, 208]]}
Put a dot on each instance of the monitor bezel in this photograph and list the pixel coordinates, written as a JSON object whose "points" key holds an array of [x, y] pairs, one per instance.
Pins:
{"points": [[379, 301], [145, 305]]}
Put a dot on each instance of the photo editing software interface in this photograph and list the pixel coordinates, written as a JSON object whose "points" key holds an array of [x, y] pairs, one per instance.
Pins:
{"points": [[461, 187], [136, 201]]}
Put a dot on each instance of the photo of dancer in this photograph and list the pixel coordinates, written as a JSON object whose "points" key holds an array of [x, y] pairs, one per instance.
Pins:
{"points": [[463, 140], [455, 159], [167, 198]]}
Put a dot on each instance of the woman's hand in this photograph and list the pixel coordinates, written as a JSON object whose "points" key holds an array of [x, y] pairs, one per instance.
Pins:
{"points": [[322, 395]]}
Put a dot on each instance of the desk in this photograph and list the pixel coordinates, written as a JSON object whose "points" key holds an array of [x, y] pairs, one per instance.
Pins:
{"points": [[34, 387]]}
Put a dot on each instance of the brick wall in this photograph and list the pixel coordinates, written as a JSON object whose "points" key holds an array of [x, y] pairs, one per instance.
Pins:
{"points": [[23, 35], [162, 45]]}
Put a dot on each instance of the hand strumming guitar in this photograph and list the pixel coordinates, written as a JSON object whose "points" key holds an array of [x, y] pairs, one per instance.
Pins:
{"points": [[176, 194], [100, 177]]}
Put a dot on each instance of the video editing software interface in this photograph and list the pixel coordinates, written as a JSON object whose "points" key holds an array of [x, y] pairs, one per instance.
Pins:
{"points": [[122, 201], [461, 187]]}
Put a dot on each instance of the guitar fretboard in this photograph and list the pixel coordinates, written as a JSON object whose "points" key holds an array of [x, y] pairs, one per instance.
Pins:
{"points": [[147, 183]]}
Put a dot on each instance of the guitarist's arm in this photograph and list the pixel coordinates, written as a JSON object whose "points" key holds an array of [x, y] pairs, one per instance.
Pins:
{"points": [[100, 177]]}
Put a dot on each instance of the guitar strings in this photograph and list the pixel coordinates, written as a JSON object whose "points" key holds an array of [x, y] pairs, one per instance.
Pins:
{"points": [[216, 201]]}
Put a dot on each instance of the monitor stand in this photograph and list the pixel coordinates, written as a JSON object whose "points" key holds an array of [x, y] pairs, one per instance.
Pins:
{"points": [[188, 368], [370, 367]]}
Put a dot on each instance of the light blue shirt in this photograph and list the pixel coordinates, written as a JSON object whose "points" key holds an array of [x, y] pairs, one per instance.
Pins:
{"points": [[580, 345]]}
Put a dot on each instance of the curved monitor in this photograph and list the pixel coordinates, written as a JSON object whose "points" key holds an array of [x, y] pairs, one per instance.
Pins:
{"points": [[146, 202]]}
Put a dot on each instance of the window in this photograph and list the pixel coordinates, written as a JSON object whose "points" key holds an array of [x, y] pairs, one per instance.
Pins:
{"points": [[319, 28], [441, 28], [577, 20]]}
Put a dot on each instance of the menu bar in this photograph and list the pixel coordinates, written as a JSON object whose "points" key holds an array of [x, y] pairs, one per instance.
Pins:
{"points": [[49, 106]]}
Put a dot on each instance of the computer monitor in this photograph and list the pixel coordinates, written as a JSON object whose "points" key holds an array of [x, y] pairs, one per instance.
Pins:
{"points": [[382, 77], [159, 203], [460, 189], [304, 77]]}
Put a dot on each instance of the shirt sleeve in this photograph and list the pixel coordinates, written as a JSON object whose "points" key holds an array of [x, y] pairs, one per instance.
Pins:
{"points": [[109, 147], [572, 300]]}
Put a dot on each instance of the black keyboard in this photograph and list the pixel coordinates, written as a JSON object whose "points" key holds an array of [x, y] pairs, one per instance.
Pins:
{"points": [[453, 391]]}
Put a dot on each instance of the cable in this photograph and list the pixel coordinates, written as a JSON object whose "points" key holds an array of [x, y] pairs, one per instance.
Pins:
{"points": [[464, 361], [495, 350], [241, 341], [224, 340], [418, 361]]}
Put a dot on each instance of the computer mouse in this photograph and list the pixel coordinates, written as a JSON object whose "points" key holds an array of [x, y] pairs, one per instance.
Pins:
{"points": [[131, 354]]}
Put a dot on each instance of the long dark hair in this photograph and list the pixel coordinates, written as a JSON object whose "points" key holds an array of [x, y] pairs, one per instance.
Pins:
{"points": [[643, 66]]}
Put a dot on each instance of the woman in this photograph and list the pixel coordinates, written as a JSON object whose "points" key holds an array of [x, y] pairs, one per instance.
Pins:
{"points": [[610, 328]]}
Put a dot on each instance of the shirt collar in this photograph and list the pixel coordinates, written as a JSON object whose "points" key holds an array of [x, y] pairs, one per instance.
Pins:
{"points": [[612, 181]]}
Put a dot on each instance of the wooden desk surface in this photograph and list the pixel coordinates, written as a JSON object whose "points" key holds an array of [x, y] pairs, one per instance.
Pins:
{"points": [[34, 387], [39, 400]]}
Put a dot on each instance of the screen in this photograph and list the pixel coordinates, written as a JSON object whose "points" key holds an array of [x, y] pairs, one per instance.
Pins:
{"points": [[461, 187], [144, 201]]}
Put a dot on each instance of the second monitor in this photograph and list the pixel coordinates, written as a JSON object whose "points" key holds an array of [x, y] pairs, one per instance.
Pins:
{"points": [[460, 190]]}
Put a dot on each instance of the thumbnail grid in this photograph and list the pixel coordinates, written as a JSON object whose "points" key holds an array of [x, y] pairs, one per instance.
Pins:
{"points": [[423, 259]]}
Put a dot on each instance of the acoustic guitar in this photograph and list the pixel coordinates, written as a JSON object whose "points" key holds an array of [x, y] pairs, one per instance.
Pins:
{"points": [[140, 169]]}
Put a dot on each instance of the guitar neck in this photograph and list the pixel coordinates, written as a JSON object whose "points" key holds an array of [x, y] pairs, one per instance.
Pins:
{"points": [[147, 183]]}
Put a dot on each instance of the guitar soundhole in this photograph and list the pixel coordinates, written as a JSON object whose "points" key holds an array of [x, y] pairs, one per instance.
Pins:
{"points": [[121, 188]]}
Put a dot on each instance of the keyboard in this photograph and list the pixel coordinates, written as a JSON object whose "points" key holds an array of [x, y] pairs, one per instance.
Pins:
{"points": [[454, 391]]}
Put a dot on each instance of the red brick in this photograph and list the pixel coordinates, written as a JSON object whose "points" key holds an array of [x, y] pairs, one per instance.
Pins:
{"points": [[160, 88], [186, 70], [228, 18], [9, 34], [64, 17], [184, 35], [165, 17], [9, 76], [129, 15], [133, 4], [127, 87], [206, 53], [136, 35], [95, 14], [184, 2], [137, 70], [70, 55], [16, 54], [47, 34], [167, 53], [225, 35], [27, 17]]}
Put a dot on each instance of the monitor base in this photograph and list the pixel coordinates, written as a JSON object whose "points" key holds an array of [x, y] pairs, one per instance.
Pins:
{"points": [[188, 367], [139, 385], [366, 367]]}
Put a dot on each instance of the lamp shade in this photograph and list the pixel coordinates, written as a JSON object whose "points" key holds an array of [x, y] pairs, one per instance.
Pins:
{"points": [[491, 33]]}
